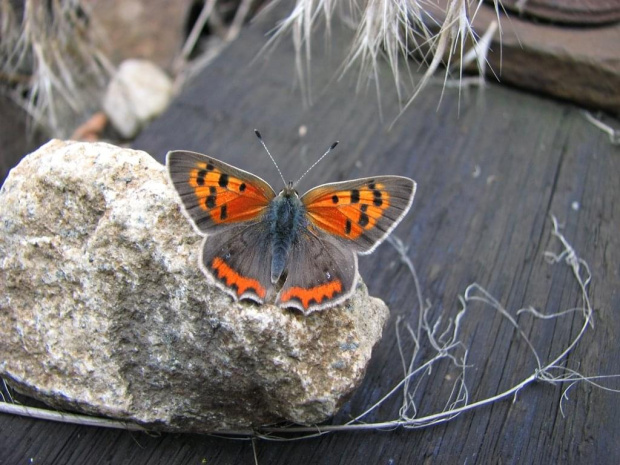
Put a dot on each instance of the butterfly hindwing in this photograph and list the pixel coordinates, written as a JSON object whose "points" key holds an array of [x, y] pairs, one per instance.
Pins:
{"points": [[238, 261], [361, 212], [214, 194], [321, 272]]}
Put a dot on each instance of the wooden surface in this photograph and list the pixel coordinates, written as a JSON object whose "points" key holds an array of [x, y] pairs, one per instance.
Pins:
{"points": [[576, 64], [16, 137], [489, 175]]}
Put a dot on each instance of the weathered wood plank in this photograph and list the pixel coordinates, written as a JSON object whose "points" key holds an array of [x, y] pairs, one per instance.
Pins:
{"points": [[535, 158], [16, 138]]}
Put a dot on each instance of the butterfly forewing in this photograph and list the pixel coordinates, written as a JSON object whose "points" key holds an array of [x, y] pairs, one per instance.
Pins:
{"points": [[216, 195], [361, 212]]}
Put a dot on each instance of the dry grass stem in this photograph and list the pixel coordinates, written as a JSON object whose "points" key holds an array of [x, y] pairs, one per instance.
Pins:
{"points": [[398, 32], [185, 69], [54, 46], [614, 134]]}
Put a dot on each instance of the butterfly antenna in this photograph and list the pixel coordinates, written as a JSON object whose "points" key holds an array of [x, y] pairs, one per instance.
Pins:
{"points": [[331, 147], [260, 138]]}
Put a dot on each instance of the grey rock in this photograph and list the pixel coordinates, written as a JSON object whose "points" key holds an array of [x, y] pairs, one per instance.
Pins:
{"points": [[104, 310]]}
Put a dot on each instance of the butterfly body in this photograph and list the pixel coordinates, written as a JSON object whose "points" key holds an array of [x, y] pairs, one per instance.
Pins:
{"points": [[297, 251], [286, 216]]}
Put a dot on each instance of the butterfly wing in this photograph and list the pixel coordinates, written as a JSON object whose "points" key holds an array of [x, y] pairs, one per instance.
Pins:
{"points": [[214, 194], [361, 212], [321, 272], [238, 261]]}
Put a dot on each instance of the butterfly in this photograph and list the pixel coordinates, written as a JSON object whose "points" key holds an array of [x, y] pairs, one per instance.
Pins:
{"points": [[297, 251]]}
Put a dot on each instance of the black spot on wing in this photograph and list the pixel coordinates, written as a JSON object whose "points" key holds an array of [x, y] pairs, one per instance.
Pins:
{"points": [[223, 182], [377, 198], [363, 221], [200, 178]]}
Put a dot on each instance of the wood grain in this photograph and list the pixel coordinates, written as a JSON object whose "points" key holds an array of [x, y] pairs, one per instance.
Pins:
{"points": [[535, 158]]}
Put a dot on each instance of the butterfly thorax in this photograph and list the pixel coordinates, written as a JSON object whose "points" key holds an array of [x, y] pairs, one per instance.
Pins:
{"points": [[286, 216]]}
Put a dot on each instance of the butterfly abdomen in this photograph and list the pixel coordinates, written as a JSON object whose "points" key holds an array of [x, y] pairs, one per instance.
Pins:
{"points": [[286, 216]]}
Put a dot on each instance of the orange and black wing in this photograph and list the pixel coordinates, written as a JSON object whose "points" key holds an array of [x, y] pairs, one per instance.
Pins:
{"points": [[361, 212], [214, 194]]}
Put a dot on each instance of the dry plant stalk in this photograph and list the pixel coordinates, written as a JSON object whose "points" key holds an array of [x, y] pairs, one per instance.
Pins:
{"points": [[400, 32], [443, 339], [614, 134], [50, 63]]}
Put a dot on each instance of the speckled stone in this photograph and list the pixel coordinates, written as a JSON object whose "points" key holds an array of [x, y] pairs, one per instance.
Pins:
{"points": [[104, 310]]}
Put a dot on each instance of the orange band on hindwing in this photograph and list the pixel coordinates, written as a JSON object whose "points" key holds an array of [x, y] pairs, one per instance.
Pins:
{"points": [[231, 278], [316, 294]]}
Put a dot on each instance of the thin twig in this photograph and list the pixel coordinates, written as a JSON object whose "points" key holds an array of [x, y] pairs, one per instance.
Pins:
{"points": [[73, 418], [614, 134], [194, 34]]}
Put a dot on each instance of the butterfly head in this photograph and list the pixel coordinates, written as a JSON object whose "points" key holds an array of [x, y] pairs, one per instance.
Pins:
{"points": [[289, 191]]}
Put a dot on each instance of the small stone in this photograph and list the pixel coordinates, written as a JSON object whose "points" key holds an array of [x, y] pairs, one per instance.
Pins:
{"points": [[138, 92], [104, 310]]}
